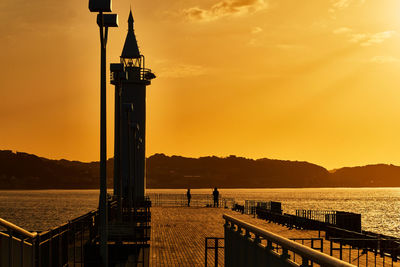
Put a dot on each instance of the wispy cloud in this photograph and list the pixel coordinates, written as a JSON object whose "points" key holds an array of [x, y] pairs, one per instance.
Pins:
{"points": [[254, 40], [383, 59], [289, 46], [377, 38], [181, 71], [342, 4], [357, 37], [256, 30], [342, 30], [365, 39], [225, 8]]}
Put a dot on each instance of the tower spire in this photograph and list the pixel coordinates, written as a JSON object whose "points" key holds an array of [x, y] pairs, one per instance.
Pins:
{"points": [[130, 21], [131, 49]]}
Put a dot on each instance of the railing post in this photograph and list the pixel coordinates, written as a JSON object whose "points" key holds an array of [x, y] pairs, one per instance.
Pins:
{"points": [[39, 254], [285, 254], [244, 250], [269, 245], [228, 244], [82, 231], [10, 252], [216, 252], [74, 237], [205, 252], [33, 252], [304, 262], [322, 245], [234, 251], [50, 242], [256, 243], [22, 252], [59, 247]]}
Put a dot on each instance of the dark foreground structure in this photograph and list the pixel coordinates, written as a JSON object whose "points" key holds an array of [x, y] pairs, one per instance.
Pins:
{"points": [[117, 234]]}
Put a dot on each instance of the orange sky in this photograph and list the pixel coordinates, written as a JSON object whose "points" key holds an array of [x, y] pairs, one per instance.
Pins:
{"points": [[315, 80]]}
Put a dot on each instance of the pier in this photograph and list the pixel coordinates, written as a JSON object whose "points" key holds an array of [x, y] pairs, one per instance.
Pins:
{"points": [[177, 238]]}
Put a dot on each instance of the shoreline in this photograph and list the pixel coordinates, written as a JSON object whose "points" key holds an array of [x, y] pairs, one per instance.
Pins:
{"points": [[206, 188]]}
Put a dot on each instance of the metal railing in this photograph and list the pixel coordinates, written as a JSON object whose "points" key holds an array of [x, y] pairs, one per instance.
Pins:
{"points": [[250, 206], [12, 227], [366, 252], [342, 219], [249, 245], [197, 200], [313, 242], [61, 246], [16, 247], [76, 243], [143, 74]]}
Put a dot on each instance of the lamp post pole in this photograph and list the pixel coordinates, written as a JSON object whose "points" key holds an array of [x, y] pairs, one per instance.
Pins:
{"points": [[104, 21], [103, 145]]}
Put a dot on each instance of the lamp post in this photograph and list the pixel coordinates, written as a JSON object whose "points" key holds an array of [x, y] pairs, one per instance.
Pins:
{"points": [[104, 21]]}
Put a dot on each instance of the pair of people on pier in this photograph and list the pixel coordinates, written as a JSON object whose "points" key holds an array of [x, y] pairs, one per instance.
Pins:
{"points": [[215, 197]]}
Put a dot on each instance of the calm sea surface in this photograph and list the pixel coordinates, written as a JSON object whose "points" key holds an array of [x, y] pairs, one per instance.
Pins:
{"points": [[44, 209]]}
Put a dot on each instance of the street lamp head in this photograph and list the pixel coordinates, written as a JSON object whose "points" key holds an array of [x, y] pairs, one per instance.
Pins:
{"points": [[100, 5], [109, 20]]}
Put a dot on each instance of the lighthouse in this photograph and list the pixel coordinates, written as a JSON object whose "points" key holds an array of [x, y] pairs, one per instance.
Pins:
{"points": [[130, 78]]}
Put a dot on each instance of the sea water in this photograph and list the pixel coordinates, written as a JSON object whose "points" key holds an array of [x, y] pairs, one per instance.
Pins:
{"points": [[44, 209]]}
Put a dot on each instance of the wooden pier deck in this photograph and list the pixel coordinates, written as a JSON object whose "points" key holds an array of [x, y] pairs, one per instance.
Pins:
{"points": [[178, 235]]}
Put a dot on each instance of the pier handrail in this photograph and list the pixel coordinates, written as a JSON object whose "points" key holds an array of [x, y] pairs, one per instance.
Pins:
{"points": [[13, 227], [311, 254]]}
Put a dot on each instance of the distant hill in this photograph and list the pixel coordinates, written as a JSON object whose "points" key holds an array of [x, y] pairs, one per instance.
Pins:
{"points": [[379, 175], [26, 171], [232, 172]]}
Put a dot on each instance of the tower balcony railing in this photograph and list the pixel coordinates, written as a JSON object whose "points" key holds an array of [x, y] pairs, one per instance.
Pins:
{"points": [[144, 75]]}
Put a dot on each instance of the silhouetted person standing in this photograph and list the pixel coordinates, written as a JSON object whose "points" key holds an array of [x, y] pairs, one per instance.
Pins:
{"points": [[189, 196], [216, 197]]}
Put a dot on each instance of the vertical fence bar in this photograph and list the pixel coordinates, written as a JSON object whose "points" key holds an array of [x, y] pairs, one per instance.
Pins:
{"points": [[205, 252], [10, 256], [322, 245], [22, 252], [216, 252], [228, 244], [33, 252], [50, 243], [349, 254], [59, 246], [82, 230], [73, 237], [39, 251]]}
